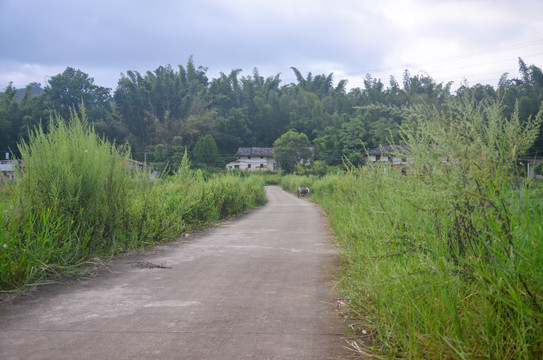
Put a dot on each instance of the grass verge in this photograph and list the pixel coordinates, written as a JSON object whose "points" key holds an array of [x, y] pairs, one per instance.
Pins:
{"points": [[78, 197]]}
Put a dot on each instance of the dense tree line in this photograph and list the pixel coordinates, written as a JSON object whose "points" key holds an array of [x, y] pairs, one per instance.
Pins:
{"points": [[162, 112]]}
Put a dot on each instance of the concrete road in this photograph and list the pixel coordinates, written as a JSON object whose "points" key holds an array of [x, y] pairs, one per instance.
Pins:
{"points": [[258, 287]]}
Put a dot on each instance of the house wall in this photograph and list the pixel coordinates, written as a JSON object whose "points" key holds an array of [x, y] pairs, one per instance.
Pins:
{"points": [[253, 163], [373, 158], [395, 160], [8, 170]]}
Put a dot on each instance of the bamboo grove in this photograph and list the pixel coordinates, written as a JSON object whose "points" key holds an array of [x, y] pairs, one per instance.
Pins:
{"points": [[159, 113]]}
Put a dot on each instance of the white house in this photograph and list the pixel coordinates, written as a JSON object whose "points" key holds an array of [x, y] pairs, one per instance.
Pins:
{"points": [[254, 159], [389, 154], [7, 168]]}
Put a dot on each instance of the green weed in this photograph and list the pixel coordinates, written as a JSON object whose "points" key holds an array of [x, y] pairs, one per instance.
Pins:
{"points": [[79, 197], [445, 262]]}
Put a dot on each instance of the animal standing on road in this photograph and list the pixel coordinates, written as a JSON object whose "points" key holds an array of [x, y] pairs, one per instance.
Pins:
{"points": [[303, 190]]}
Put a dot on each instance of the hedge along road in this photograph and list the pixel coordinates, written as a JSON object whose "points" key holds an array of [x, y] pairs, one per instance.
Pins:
{"points": [[257, 287]]}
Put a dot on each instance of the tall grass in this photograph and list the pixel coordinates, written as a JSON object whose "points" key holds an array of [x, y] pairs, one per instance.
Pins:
{"points": [[79, 197], [446, 262], [186, 201], [401, 276], [73, 175]]}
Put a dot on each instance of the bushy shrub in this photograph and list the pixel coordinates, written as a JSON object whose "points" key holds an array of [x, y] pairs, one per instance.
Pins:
{"points": [[71, 198], [74, 174], [234, 195]]}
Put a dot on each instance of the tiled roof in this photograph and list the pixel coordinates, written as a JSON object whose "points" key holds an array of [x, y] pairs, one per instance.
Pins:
{"points": [[389, 150], [255, 151]]}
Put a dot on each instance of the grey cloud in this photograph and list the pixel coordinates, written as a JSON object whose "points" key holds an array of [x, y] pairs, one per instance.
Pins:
{"points": [[118, 35]]}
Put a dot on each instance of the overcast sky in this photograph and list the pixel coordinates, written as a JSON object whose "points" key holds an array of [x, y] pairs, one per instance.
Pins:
{"points": [[450, 40]]}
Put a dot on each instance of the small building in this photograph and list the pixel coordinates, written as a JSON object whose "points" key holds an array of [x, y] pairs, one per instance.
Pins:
{"points": [[394, 154], [136, 166], [7, 168], [254, 159]]}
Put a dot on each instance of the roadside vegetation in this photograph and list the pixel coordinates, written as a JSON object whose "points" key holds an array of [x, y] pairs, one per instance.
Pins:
{"points": [[445, 261], [79, 197]]}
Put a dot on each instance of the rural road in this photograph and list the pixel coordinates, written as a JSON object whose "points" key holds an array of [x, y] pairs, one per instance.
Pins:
{"points": [[257, 287]]}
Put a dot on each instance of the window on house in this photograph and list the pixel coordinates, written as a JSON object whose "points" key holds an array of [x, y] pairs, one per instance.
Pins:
{"points": [[248, 157], [262, 157], [236, 166], [261, 166], [248, 166]]}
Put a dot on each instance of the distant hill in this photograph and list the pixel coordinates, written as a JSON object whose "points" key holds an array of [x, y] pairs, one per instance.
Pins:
{"points": [[35, 88]]}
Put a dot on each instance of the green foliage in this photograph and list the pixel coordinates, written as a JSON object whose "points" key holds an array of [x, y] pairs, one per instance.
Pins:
{"points": [[70, 201], [234, 131], [73, 174], [229, 189], [356, 159], [73, 88], [268, 177], [184, 171], [176, 150], [399, 275], [79, 197], [165, 158], [538, 169], [320, 168], [154, 107], [445, 262], [187, 201], [290, 150], [18, 115], [8, 110], [292, 182], [205, 151], [159, 153]]}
